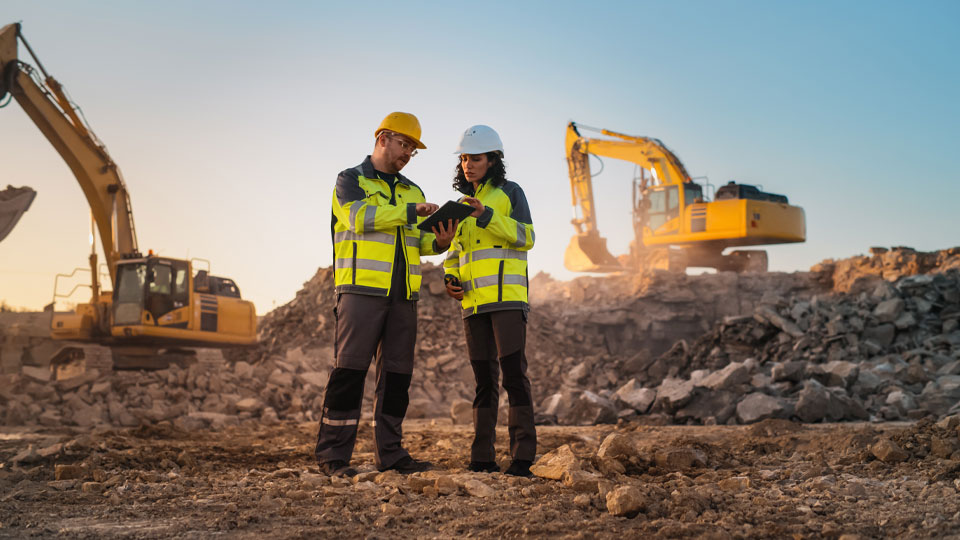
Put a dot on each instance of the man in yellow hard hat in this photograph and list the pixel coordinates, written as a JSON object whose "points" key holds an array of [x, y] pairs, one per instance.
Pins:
{"points": [[377, 248]]}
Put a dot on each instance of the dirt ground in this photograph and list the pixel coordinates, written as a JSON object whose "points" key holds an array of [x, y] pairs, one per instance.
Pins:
{"points": [[774, 479]]}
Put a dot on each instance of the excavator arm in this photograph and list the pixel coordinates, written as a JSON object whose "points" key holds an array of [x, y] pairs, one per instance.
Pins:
{"points": [[45, 102], [587, 251]]}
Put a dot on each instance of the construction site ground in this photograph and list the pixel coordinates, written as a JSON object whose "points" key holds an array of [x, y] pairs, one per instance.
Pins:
{"points": [[774, 479]]}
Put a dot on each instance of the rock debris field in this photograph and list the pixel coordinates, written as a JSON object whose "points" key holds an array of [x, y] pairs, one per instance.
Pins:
{"points": [[808, 404]]}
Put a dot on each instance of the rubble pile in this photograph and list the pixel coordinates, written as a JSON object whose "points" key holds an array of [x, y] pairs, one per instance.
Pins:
{"points": [[889, 354], [863, 272], [666, 348]]}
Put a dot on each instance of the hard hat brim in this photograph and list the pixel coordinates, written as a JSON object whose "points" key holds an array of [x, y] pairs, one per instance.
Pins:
{"points": [[419, 144]]}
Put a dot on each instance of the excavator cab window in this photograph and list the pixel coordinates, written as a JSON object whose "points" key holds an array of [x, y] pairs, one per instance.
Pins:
{"points": [[128, 294], [692, 193], [160, 287], [181, 293], [664, 206]]}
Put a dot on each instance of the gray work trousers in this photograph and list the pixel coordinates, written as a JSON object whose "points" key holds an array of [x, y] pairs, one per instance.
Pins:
{"points": [[496, 341], [368, 326]]}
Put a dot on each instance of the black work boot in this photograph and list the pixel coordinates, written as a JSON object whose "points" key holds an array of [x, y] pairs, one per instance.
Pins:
{"points": [[338, 468], [520, 467], [407, 465], [484, 466]]}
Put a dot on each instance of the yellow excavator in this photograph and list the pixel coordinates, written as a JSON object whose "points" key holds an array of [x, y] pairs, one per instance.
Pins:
{"points": [[156, 303], [674, 224]]}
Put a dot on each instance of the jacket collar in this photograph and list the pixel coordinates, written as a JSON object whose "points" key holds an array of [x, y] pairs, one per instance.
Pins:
{"points": [[470, 192], [370, 172]]}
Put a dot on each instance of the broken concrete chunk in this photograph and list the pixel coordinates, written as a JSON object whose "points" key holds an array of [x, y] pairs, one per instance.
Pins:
{"points": [[887, 451], [758, 406], [624, 501], [556, 462]]}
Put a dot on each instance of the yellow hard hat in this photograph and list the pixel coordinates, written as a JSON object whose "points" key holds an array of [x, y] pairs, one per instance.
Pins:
{"points": [[403, 123]]}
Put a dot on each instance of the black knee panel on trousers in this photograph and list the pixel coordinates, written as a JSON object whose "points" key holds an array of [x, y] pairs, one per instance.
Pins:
{"points": [[514, 380], [395, 396], [486, 385], [344, 389]]}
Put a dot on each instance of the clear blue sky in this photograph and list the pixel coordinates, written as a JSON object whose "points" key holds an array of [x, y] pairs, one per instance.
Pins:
{"points": [[230, 120]]}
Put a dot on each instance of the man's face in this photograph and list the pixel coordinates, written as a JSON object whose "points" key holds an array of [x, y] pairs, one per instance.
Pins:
{"points": [[398, 149]]}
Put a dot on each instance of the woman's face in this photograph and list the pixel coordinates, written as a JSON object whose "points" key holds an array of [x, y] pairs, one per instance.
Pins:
{"points": [[475, 166]]}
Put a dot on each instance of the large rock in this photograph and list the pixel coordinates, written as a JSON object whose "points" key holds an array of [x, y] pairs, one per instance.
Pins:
{"points": [[838, 373], [887, 451], [815, 403], [616, 446], [250, 405], [709, 408], [590, 409], [735, 373], [556, 462], [881, 334], [758, 406], [674, 393], [461, 412], [888, 310], [558, 404], [680, 459], [791, 371], [635, 396], [770, 315], [624, 501]]}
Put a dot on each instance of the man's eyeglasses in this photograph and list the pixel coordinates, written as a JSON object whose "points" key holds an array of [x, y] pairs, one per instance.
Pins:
{"points": [[405, 145]]}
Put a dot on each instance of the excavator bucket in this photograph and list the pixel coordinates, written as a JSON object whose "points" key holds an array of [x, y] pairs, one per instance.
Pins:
{"points": [[588, 253], [13, 203]]}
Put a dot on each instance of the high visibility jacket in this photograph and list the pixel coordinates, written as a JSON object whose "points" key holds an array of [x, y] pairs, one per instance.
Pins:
{"points": [[489, 253], [369, 219]]}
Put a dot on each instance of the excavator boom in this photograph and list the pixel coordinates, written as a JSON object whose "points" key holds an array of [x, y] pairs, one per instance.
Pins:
{"points": [[45, 102]]}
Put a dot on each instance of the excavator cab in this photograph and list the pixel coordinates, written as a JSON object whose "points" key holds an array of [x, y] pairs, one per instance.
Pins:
{"points": [[155, 301], [148, 289]]}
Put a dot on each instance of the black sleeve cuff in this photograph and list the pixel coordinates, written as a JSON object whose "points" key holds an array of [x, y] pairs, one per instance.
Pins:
{"points": [[436, 247], [485, 217], [411, 213]]}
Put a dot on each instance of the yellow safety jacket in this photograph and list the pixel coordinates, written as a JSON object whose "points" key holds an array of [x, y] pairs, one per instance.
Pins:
{"points": [[369, 218], [489, 253]]}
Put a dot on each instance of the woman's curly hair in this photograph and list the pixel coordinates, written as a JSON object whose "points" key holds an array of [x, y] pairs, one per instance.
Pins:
{"points": [[497, 172]]}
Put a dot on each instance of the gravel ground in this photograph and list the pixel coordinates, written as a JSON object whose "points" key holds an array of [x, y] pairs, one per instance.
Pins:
{"points": [[772, 479]]}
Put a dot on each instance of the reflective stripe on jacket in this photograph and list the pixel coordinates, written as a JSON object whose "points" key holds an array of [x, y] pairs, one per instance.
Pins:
{"points": [[489, 253], [368, 220]]}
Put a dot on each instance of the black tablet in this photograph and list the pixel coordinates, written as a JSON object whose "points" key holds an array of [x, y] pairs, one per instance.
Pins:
{"points": [[450, 210]]}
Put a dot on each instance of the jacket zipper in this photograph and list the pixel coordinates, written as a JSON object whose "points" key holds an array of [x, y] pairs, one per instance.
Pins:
{"points": [[354, 278], [500, 283]]}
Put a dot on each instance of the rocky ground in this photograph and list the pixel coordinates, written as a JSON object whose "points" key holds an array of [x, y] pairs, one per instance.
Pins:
{"points": [[773, 479], [668, 405]]}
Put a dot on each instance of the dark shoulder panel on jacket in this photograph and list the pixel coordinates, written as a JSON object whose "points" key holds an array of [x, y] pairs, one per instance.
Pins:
{"points": [[518, 200], [411, 183], [348, 186]]}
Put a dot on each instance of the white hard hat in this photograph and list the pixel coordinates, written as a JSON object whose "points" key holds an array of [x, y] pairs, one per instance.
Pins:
{"points": [[479, 139]]}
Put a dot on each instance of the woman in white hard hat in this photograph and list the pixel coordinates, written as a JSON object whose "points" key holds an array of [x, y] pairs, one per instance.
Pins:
{"points": [[486, 269]]}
